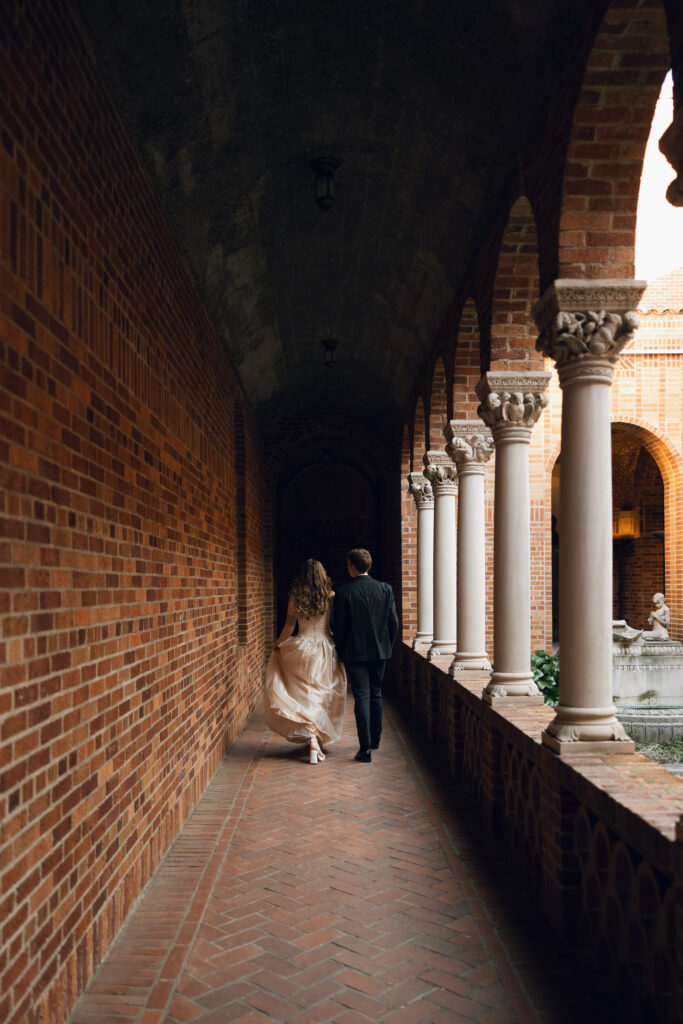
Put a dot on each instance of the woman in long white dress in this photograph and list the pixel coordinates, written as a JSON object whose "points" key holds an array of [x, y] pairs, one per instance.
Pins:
{"points": [[305, 685]]}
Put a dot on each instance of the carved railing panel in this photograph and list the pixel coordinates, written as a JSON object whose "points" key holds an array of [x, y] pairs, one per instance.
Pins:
{"points": [[522, 814], [627, 916], [471, 749]]}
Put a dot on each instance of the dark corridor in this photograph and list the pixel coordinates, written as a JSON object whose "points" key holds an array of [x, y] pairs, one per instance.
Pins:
{"points": [[323, 511]]}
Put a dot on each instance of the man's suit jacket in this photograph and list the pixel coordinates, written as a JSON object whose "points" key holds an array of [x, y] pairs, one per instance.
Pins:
{"points": [[364, 620]]}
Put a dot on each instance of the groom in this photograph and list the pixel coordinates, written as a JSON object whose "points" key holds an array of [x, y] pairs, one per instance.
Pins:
{"points": [[365, 624]]}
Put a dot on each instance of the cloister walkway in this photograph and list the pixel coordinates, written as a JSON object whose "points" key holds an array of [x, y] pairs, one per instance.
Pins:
{"points": [[342, 892]]}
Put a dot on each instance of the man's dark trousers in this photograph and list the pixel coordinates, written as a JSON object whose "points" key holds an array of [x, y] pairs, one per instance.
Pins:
{"points": [[366, 684]]}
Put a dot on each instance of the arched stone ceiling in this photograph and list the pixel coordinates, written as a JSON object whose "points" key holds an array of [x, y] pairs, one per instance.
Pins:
{"points": [[426, 103]]}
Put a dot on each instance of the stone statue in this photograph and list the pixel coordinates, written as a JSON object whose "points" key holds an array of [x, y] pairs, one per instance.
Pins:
{"points": [[659, 619]]}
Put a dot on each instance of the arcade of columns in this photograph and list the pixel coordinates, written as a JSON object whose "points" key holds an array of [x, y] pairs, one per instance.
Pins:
{"points": [[585, 345]]}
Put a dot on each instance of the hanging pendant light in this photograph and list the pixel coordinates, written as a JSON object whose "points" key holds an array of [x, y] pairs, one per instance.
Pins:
{"points": [[324, 168], [329, 344]]}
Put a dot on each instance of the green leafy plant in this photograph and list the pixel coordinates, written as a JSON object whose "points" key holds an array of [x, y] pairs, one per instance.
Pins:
{"points": [[546, 670]]}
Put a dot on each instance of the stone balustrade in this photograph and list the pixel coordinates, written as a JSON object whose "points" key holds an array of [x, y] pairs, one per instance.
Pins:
{"points": [[601, 834]]}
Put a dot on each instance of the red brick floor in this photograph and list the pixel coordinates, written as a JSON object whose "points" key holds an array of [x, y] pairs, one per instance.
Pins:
{"points": [[342, 892]]}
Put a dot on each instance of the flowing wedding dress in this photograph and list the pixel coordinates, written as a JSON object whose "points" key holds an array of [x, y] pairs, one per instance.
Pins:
{"points": [[305, 687]]}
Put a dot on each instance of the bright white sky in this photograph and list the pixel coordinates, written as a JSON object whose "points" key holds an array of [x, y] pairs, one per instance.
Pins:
{"points": [[659, 228]]}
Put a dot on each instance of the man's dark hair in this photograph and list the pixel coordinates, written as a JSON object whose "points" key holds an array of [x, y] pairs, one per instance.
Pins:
{"points": [[360, 559]]}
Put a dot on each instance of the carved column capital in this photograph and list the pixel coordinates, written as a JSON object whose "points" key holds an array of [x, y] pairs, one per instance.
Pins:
{"points": [[511, 403], [469, 445], [585, 324], [441, 472], [421, 490]]}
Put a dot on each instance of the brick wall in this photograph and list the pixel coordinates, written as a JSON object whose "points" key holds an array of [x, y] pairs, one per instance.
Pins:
{"points": [[123, 677]]}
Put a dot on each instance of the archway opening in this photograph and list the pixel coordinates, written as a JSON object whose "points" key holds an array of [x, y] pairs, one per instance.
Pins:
{"points": [[638, 528], [323, 510]]}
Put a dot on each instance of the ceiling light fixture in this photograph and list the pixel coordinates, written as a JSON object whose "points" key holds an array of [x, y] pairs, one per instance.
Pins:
{"points": [[324, 168], [329, 344]]}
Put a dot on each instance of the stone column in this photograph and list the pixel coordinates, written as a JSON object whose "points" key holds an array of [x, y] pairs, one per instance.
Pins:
{"points": [[470, 445], [441, 473], [421, 490], [586, 345], [510, 405]]}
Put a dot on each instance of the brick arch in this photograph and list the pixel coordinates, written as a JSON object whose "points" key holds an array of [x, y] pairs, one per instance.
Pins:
{"points": [[286, 443], [408, 596], [670, 464], [466, 370], [439, 404], [669, 461], [610, 128], [420, 434], [515, 290], [406, 449]]}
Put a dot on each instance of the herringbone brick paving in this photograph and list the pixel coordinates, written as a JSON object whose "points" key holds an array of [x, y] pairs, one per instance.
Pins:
{"points": [[342, 892]]}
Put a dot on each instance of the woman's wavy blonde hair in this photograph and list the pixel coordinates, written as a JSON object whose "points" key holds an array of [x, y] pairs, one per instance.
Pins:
{"points": [[311, 590]]}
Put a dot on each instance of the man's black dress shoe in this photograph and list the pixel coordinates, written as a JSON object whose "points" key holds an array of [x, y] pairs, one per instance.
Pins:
{"points": [[374, 746], [363, 755]]}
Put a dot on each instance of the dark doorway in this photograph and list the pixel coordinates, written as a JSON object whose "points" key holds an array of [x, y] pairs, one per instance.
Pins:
{"points": [[324, 510]]}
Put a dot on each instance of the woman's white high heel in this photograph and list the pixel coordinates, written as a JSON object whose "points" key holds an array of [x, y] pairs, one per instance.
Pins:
{"points": [[315, 754]]}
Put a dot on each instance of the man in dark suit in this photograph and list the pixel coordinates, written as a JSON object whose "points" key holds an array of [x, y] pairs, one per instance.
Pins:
{"points": [[365, 624]]}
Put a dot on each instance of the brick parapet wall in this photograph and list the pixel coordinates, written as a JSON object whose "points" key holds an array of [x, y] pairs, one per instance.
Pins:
{"points": [[596, 832], [122, 676]]}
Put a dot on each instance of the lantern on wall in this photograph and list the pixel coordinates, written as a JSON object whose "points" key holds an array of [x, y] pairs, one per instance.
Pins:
{"points": [[627, 524]]}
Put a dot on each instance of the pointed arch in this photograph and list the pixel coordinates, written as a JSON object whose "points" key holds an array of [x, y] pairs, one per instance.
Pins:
{"points": [[466, 371], [669, 462], [610, 128], [439, 404], [408, 610], [515, 290], [420, 433]]}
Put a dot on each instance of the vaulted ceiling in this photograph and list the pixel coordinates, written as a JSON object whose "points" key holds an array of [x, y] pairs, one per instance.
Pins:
{"points": [[425, 102]]}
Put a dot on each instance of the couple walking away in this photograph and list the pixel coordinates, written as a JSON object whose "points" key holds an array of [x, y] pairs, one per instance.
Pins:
{"points": [[305, 686]]}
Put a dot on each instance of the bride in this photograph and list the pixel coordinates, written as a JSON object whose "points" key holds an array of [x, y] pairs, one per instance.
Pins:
{"points": [[305, 685]]}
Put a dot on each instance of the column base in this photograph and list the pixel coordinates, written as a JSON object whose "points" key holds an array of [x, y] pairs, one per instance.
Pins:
{"points": [[463, 662], [521, 701], [422, 642], [563, 747], [517, 688], [587, 730], [441, 651], [442, 661]]}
